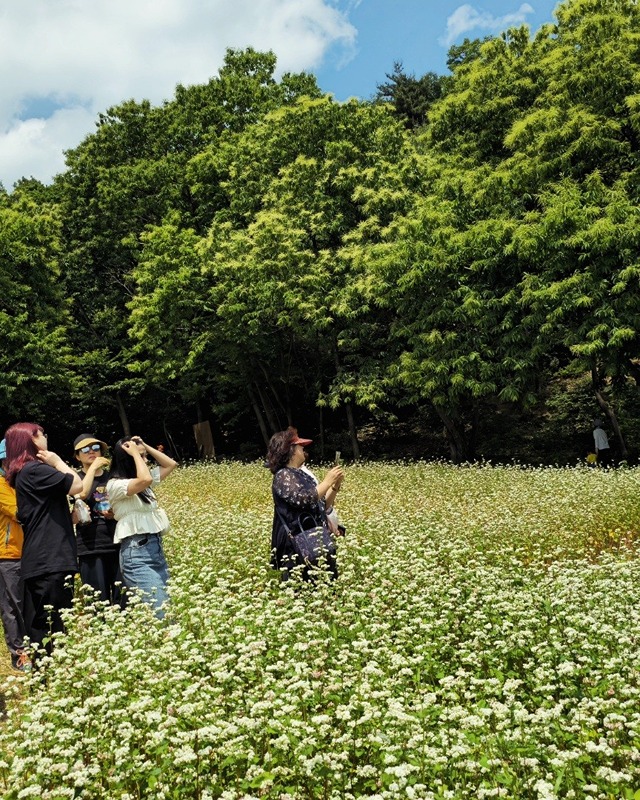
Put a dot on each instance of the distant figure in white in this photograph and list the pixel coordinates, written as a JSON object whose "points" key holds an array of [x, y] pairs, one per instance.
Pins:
{"points": [[603, 451]]}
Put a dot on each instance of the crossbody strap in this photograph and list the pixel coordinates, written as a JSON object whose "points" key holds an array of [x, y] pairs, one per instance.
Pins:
{"points": [[286, 527]]}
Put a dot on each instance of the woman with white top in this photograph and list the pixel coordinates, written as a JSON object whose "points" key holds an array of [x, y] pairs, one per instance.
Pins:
{"points": [[140, 520]]}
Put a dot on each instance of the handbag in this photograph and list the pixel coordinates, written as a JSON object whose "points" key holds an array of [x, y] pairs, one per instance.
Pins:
{"points": [[311, 544]]}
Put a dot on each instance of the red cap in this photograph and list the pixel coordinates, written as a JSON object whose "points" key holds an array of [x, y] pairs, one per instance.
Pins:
{"points": [[303, 442]]}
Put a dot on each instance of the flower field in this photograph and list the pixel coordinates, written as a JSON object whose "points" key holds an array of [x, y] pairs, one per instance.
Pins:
{"points": [[483, 640]]}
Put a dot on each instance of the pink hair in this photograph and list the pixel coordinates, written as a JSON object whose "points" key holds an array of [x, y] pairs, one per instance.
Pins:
{"points": [[20, 448]]}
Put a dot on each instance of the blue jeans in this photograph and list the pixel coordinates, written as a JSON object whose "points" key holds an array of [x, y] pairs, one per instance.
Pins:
{"points": [[144, 567]]}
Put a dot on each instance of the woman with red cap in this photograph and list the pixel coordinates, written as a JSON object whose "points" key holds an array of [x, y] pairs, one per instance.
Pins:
{"points": [[295, 492]]}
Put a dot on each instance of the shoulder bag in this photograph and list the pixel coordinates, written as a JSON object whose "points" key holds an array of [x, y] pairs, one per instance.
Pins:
{"points": [[312, 541]]}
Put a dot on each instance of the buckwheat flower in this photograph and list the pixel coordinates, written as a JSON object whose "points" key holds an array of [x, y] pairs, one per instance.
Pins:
{"points": [[545, 790], [613, 776]]}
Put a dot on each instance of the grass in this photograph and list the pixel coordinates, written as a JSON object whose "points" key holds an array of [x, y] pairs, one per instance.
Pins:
{"points": [[483, 641]]}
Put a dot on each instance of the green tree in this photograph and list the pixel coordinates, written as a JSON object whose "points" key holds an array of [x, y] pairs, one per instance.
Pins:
{"points": [[127, 177], [410, 97], [443, 270], [524, 249], [577, 148], [37, 369], [283, 319]]}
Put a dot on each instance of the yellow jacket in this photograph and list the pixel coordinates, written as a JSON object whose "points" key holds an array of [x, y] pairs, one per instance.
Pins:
{"points": [[10, 529]]}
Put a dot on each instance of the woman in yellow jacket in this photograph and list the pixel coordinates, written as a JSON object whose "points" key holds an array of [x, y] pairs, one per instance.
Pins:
{"points": [[11, 587]]}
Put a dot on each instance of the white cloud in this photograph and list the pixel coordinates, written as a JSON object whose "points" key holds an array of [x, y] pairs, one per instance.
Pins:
{"points": [[87, 55], [466, 18], [34, 147]]}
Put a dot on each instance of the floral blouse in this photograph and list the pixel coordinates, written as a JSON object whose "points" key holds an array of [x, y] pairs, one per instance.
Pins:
{"points": [[294, 494]]}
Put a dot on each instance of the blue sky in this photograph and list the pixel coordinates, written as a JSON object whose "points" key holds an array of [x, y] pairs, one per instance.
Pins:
{"points": [[416, 32], [69, 60]]}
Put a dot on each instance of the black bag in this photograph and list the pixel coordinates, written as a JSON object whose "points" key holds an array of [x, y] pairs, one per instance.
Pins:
{"points": [[312, 541]]}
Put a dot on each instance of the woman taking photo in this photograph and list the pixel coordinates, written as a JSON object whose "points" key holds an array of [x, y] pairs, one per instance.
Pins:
{"points": [[97, 553], [140, 521], [49, 559], [296, 492]]}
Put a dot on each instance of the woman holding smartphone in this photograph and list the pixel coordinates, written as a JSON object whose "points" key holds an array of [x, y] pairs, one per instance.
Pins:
{"points": [[140, 520], [296, 492]]}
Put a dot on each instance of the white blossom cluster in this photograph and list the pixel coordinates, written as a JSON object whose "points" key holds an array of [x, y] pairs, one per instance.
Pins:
{"points": [[482, 641]]}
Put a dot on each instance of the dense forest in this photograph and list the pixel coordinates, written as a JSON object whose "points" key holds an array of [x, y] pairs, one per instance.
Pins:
{"points": [[448, 269]]}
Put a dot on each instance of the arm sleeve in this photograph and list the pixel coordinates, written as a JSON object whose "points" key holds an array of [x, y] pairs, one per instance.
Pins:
{"points": [[117, 489], [8, 502], [290, 486], [43, 478]]}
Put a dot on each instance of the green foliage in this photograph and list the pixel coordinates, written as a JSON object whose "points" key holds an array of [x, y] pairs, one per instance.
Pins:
{"points": [[36, 362], [254, 248], [274, 297], [411, 97], [126, 179]]}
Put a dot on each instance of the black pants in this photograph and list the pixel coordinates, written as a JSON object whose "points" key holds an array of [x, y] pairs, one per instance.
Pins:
{"points": [[101, 571], [54, 589], [604, 457]]}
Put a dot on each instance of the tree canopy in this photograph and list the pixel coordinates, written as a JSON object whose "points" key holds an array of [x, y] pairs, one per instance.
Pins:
{"points": [[458, 249]]}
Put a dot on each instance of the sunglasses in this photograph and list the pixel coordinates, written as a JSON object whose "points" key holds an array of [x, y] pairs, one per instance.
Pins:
{"points": [[88, 448]]}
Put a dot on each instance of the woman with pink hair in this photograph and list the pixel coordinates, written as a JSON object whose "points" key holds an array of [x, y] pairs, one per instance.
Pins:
{"points": [[43, 483]]}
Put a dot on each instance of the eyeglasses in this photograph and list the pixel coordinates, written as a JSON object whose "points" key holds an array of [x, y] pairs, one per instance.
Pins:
{"points": [[88, 448]]}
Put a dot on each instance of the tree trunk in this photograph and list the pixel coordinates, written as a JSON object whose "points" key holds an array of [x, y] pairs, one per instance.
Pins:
{"points": [[276, 397], [606, 408], [259, 417], [124, 419], [272, 419], [473, 434], [455, 437], [353, 433], [321, 433], [172, 444]]}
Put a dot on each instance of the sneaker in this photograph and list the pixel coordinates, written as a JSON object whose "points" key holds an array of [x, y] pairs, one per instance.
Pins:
{"points": [[20, 661]]}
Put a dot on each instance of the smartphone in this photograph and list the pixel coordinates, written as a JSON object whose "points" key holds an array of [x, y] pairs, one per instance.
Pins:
{"points": [[338, 459]]}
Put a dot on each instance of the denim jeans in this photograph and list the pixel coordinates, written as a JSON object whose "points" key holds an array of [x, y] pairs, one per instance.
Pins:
{"points": [[144, 567]]}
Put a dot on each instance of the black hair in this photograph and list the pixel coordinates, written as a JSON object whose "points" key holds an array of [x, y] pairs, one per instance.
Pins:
{"points": [[280, 449], [123, 466]]}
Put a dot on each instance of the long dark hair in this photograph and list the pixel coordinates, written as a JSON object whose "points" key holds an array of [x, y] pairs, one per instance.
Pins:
{"points": [[280, 449], [123, 466], [20, 448]]}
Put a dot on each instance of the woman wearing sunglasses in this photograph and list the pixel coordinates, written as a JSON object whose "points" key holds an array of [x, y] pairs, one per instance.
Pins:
{"points": [[98, 555]]}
